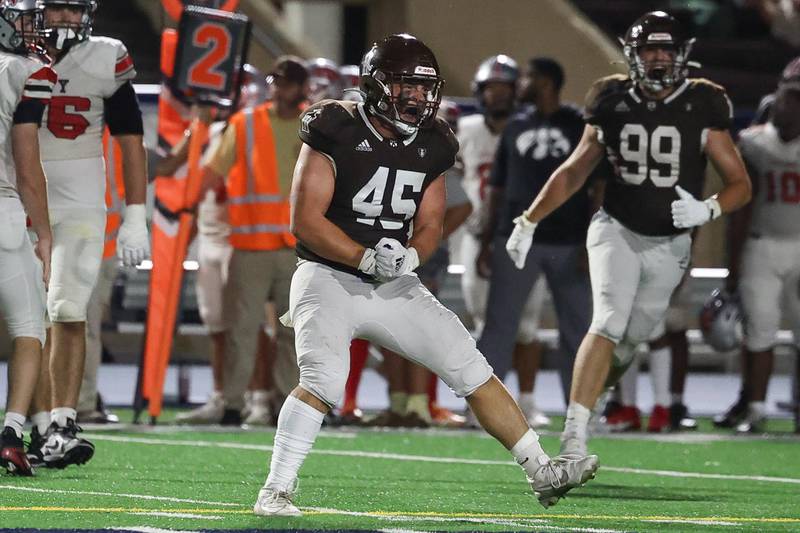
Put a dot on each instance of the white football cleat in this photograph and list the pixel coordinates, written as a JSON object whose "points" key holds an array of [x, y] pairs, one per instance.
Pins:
{"points": [[557, 476], [275, 503], [573, 445], [209, 413], [536, 419]]}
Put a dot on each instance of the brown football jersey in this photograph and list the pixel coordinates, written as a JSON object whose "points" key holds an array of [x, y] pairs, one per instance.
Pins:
{"points": [[654, 145], [379, 182]]}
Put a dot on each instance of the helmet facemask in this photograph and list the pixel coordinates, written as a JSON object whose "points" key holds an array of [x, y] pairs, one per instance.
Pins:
{"points": [[406, 102], [62, 35], [28, 25], [656, 75]]}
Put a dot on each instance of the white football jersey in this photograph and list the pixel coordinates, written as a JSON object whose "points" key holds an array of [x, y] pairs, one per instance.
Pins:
{"points": [[477, 146], [20, 78], [212, 215], [775, 166], [89, 73]]}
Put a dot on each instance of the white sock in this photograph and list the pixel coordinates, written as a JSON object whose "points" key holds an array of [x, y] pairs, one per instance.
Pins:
{"points": [[298, 426], [60, 415], [529, 453], [628, 384], [42, 421], [15, 421], [660, 368], [677, 397], [577, 420]]}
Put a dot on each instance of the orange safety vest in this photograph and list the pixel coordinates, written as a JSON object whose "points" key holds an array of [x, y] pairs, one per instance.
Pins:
{"points": [[115, 193], [257, 211]]}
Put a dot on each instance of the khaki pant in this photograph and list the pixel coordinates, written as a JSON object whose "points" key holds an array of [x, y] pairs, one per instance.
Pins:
{"points": [[253, 278], [97, 308]]}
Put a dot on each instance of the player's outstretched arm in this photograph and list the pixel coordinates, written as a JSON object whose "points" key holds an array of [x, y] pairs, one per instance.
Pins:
{"points": [[569, 177], [723, 154], [33, 187], [312, 190], [429, 220]]}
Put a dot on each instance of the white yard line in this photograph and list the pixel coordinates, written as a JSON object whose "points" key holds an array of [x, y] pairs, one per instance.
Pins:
{"points": [[148, 529], [432, 459], [697, 522], [117, 495]]}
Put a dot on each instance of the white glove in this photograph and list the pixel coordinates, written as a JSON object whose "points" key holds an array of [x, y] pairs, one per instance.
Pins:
{"points": [[367, 264], [133, 241], [393, 260], [689, 212], [519, 243]]}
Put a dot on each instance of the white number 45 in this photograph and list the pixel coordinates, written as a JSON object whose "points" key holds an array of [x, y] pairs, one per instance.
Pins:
{"points": [[369, 200]]}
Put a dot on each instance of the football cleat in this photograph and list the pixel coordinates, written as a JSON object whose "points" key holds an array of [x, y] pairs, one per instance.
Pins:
{"points": [[535, 418], [260, 415], [680, 419], [12, 454], [414, 420], [751, 423], [34, 453], [63, 447], [735, 414], [443, 417], [620, 419], [387, 419], [659, 420], [557, 476], [272, 502], [209, 413]]}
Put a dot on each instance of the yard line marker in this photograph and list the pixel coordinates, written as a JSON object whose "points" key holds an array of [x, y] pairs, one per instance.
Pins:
{"points": [[179, 515], [418, 515], [445, 460], [148, 529], [697, 522], [117, 495]]}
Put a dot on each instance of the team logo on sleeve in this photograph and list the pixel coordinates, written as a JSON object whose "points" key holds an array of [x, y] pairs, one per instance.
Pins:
{"points": [[308, 118], [422, 152]]}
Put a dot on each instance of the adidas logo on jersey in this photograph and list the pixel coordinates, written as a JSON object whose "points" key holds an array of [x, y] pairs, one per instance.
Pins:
{"points": [[364, 146], [622, 107]]}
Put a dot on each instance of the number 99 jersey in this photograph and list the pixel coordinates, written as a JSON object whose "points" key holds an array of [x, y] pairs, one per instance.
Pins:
{"points": [[379, 183], [654, 145]]}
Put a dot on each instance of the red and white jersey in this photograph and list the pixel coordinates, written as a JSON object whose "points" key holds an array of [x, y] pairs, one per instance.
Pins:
{"points": [[775, 166], [20, 78], [89, 73], [477, 146]]}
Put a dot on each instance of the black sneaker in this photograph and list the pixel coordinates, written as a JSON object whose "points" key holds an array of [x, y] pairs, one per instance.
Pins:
{"points": [[34, 452], [12, 454], [734, 415], [680, 419], [63, 447]]}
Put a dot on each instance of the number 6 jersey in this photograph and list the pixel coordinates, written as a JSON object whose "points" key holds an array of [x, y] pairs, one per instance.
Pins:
{"points": [[379, 182], [654, 145], [88, 74]]}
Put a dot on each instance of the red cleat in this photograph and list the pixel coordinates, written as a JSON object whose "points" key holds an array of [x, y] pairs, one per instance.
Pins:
{"points": [[659, 420], [441, 416], [623, 418], [12, 454]]}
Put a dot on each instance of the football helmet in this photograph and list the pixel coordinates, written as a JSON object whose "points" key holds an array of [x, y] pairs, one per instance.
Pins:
{"points": [[254, 88], [721, 321], [499, 68], [657, 29], [20, 26], [450, 112], [401, 82], [324, 80], [350, 79], [62, 35]]}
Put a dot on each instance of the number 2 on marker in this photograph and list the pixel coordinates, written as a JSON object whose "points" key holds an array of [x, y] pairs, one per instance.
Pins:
{"points": [[217, 41]]}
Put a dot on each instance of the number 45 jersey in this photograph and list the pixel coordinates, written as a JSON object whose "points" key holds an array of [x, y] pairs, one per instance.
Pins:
{"points": [[654, 145], [379, 183], [71, 136]]}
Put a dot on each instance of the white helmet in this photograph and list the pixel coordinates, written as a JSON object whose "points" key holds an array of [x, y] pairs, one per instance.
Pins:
{"points": [[63, 35], [20, 26], [721, 321]]}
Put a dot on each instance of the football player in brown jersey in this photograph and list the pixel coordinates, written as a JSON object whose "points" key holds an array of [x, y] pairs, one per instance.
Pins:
{"points": [[657, 127], [368, 200]]}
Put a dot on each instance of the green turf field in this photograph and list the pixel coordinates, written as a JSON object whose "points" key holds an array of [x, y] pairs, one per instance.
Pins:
{"points": [[426, 480]]}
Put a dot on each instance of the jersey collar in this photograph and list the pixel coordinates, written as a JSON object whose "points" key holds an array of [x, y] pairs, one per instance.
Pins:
{"points": [[408, 140]]}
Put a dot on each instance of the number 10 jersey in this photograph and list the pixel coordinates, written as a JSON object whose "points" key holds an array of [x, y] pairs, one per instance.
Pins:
{"points": [[654, 145], [379, 182]]}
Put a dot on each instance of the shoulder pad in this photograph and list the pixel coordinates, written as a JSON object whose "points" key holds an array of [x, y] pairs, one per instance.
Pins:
{"points": [[98, 56], [328, 116], [605, 87], [443, 128], [704, 84]]}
